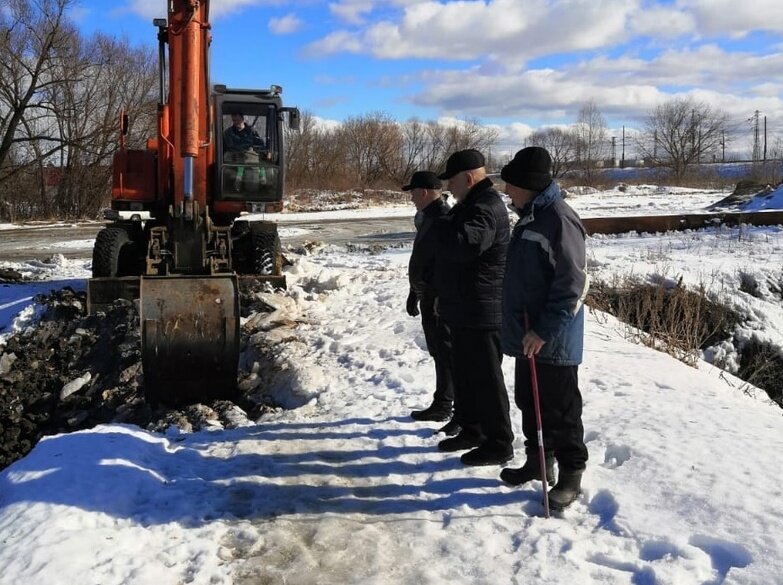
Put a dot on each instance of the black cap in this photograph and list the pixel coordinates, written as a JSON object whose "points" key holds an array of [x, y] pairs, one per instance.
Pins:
{"points": [[531, 168], [423, 180], [462, 160]]}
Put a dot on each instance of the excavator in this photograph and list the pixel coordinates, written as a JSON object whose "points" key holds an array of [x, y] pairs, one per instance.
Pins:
{"points": [[218, 155]]}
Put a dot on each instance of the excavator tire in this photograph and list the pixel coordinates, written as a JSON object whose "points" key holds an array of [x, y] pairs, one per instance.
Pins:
{"points": [[109, 256], [267, 259]]}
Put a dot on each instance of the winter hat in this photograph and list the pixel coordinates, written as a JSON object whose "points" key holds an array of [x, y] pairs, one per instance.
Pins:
{"points": [[531, 168], [423, 180], [462, 160]]}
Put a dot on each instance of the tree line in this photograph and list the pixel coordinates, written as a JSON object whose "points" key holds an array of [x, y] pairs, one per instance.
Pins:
{"points": [[374, 150], [61, 95]]}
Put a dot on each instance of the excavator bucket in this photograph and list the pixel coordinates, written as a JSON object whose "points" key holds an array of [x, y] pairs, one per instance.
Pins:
{"points": [[189, 338]]}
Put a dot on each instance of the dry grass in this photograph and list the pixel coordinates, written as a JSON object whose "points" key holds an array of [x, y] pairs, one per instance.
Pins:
{"points": [[327, 200], [762, 366], [665, 316], [668, 317]]}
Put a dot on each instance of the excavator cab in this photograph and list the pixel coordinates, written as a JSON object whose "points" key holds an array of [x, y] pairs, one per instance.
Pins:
{"points": [[249, 153]]}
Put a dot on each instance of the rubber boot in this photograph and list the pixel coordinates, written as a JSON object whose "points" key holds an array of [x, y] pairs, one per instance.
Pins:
{"points": [[437, 411], [530, 470], [568, 488]]}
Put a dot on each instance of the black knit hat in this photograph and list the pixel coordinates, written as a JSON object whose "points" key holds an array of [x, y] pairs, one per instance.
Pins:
{"points": [[423, 180], [462, 160], [531, 168]]}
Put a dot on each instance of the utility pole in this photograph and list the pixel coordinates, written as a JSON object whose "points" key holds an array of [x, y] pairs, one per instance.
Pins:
{"points": [[655, 146], [723, 145], [614, 151], [622, 160], [765, 139], [754, 120]]}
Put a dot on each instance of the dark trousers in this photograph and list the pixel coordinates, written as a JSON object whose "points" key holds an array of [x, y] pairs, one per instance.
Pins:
{"points": [[438, 338], [561, 412], [481, 400]]}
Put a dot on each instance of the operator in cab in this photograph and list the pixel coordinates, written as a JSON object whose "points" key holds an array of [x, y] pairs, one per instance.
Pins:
{"points": [[243, 145], [241, 138]]}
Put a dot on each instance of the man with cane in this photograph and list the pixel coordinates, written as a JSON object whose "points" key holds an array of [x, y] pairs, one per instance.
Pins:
{"points": [[543, 323]]}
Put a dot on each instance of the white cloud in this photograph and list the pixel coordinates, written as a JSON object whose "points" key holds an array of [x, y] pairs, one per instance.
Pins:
{"points": [[663, 22], [625, 89], [507, 29], [157, 9], [326, 123], [511, 138], [735, 18], [334, 42], [284, 25], [352, 11]]}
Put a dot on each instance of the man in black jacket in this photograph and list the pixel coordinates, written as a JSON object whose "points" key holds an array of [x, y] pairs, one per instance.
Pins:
{"points": [[425, 188], [472, 242]]}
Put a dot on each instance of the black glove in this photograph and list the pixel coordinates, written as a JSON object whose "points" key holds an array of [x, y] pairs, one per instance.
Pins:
{"points": [[412, 304]]}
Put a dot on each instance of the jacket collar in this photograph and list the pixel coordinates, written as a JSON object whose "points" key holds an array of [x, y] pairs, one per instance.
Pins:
{"points": [[482, 185], [544, 199]]}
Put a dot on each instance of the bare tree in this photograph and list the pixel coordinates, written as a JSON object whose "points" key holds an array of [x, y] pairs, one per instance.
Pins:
{"points": [[680, 133], [109, 77], [370, 140], [374, 150], [414, 144], [561, 145], [33, 35], [590, 135], [60, 101], [315, 156], [299, 148]]}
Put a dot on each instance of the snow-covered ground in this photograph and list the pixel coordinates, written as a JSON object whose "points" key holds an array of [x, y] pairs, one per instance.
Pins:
{"points": [[343, 488]]}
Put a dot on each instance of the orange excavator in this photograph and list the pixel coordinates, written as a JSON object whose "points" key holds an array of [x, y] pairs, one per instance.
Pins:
{"points": [[218, 154]]}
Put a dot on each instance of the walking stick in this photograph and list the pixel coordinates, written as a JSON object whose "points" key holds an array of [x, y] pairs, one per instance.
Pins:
{"points": [[539, 426]]}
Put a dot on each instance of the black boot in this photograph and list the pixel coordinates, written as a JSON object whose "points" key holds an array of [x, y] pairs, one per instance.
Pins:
{"points": [[568, 487], [485, 455], [460, 442], [437, 411], [529, 471], [450, 429]]}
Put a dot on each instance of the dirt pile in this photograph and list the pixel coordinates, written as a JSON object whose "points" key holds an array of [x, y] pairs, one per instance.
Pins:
{"points": [[73, 371]]}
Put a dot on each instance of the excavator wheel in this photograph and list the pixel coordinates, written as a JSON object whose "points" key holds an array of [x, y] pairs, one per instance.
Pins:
{"points": [[115, 254], [107, 251], [267, 259]]}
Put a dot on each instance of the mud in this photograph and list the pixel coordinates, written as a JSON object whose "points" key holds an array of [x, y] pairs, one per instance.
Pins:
{"points": [[72, 371]]}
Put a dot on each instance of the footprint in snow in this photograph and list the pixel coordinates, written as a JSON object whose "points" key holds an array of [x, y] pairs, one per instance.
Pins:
{"points": [[724, 554], [616, 455], [605, 506]]}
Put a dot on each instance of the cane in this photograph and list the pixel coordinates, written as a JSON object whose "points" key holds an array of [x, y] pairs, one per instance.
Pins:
{"points": [[539, 426]]}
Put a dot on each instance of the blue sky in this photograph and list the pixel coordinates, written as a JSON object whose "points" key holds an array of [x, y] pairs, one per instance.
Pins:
{"points": [[517, 64]]}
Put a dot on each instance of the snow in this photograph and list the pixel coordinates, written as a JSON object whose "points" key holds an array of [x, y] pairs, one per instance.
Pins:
{"points": [[773, 200], [342, 487], [643, 200], [17, 305]]}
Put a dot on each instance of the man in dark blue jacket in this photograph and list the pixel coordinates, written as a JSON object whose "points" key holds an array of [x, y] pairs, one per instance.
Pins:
{"points": [[425, 188], [545, 285], [469, 274]]}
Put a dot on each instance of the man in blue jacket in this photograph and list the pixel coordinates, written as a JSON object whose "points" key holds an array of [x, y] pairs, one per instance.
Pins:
{"points": [[545, 284], [471, 259]]}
